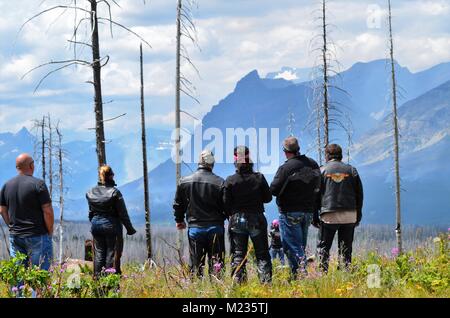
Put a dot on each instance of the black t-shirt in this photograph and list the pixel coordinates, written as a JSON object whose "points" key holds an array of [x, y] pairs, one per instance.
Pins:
{"points": [[24, 196]]}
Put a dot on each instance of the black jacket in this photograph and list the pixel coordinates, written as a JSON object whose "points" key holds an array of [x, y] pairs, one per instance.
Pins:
{"points": [[297, 184], [107, 201], [341, 188], [200, 197], [275, 238], [246, 192]]}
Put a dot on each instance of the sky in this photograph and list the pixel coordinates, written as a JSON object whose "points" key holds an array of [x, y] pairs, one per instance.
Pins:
{"points": [[234, 38]]}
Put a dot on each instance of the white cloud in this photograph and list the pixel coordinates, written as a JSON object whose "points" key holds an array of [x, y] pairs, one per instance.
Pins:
{"points": [[17, 67], [236, 37]]}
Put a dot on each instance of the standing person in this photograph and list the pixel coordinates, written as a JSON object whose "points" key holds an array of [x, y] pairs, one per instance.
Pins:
{"points": [[107, 213], [245, 194], [199, 200], [341, 211], [26, 207], [276, 248], [296, 186]]}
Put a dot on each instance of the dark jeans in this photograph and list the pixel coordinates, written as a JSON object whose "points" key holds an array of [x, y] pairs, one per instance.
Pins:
{"points": [[277, 252], [104, 231], [294, 234], [207, 242], [243, 226], [345, 241]]}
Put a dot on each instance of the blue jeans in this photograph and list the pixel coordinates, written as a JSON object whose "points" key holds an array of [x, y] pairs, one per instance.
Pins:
{"points": [[294, 234], [274, 252], [207, 242], [39, 249]]}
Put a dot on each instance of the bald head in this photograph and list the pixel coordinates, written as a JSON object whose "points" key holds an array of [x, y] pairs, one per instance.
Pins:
{"points": [[25, 164]]}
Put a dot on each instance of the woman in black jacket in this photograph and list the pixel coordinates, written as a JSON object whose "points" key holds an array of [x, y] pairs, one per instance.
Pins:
{"points": [[107, 213], [244, 195]]}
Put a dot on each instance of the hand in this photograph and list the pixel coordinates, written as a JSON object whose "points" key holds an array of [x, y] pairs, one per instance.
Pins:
{"points": [[181, 226], [131, 231]]}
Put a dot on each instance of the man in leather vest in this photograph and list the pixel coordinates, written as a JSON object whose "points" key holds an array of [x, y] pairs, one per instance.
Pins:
{"points": [[341, 206], [199, 199], [296, 186]]}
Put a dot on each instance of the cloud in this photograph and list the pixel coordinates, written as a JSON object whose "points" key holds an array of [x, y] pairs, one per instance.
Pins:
{"points": [[235, 37]]}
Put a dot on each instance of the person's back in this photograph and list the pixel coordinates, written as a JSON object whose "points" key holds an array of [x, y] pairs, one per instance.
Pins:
{"points": [[24, 195], [341, 206], [275, 238], [246, 192], [199, 200], [201, 196], [107, 214], [297, 188], [26, 208], [340, 187], [296, 185]]}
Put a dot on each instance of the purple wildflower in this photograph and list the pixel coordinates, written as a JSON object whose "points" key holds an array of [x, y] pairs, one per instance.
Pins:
{"points": [[14, 289], [22, 287], [110, 271], [217, 267], [395, 251]]}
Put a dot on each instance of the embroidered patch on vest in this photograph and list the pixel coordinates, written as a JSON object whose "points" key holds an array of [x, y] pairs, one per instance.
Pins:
{"points": [[338, 177]]}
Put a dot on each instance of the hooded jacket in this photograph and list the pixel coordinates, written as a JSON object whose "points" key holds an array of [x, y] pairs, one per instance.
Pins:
{"points": [[246, 192], [105, 200], [297, 184]]}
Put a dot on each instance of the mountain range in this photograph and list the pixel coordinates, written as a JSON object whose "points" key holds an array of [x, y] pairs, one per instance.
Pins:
{"points": [[266, 103]]}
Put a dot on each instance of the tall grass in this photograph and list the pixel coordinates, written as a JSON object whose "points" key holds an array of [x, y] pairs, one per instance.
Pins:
{"points": [[379, 238]]}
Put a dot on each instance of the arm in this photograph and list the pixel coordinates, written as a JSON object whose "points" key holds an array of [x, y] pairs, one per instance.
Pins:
{"points": [[4, 213], [49, 217], [278, 182], [91, 213], [227, 198], [123, 213], [46, 206], [316, 215], [179, 208], [265, 190]]}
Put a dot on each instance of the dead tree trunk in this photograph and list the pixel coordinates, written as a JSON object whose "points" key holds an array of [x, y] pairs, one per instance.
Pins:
{"points": [[326, 119], [177, 111], [396, 136], [177, 97], [50, 155], [61, 195], [98, 103], [319, 135], [44, 174], [144, 164]]}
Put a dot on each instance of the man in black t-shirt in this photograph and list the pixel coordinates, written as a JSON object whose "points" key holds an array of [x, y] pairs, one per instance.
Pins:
{"points": [[26, 207]]}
